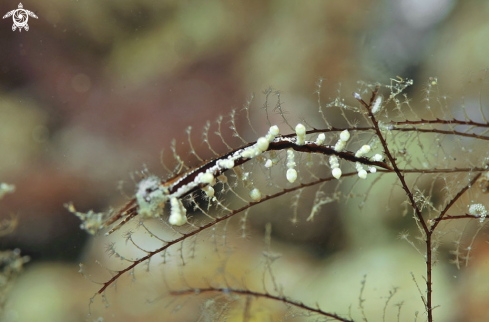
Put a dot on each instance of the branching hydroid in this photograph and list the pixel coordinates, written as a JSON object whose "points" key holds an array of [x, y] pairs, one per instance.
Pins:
{"points": [[435, 161]]}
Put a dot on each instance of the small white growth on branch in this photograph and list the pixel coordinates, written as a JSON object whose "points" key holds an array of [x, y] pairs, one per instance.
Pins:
{"points": [[291, 175], [478, 210], [339, 146], [377, 157], [344, 137], [361, 171], [377, 106], [255, 195], [272, 133], [336, 173], [178, 215], [320, 139], [207, 178], [300, 130], [262, 144], [335, 166], [291, 172], [362, 151]]}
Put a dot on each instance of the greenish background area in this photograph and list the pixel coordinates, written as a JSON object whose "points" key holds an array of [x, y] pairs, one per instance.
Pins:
{"points": [[96, 89]]}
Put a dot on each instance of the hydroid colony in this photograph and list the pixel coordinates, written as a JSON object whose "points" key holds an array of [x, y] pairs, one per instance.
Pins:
{"points": [[437, 161]]}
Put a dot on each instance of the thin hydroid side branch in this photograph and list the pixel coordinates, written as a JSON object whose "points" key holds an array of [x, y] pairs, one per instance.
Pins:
{"points": [[448, 217], [283, 299], [453, 132], [391, 127], [452, 202], [439, 170], [389, 155], [441, 121]]}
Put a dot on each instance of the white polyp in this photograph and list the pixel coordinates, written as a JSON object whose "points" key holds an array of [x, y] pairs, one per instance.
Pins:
{"points": [[320, 139], [335, 166], [208, 178], [291, 175], [255, 195], [363, 150], [178, 214], [372, 169], [344, 135], [377, 105], [262, 144], [361, 171], [269, 163], [227, 164], [362, 174], [339, 146], [376, 158], [272, 133], [274, 130], [357, 96], [300, 130], [336, 173], [248, 153]]}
